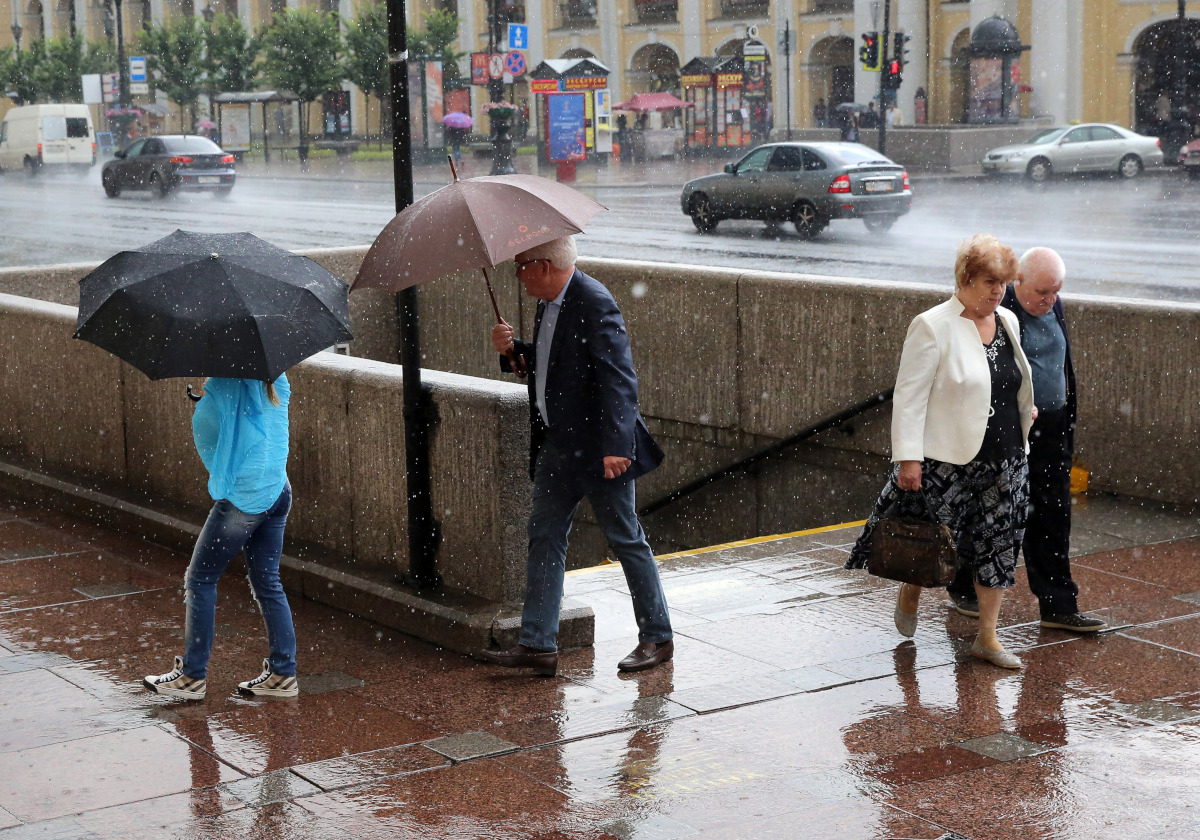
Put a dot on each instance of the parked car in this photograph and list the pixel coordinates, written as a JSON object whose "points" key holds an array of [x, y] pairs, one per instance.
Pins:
{"points": [[1095, 147], [809, 184], [37, 136], [1189, 158], [169, 162]]}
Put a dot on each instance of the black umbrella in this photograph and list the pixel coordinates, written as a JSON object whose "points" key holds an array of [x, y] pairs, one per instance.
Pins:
{"points": [[850, 108], [212, 304]]}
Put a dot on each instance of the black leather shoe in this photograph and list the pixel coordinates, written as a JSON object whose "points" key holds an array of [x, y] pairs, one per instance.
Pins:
{"points": [[1074, 622], [647, 655], [543, 662], [964, 604]]}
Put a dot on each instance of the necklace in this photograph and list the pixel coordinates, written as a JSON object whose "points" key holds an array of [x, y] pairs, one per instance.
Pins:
{"points": [[992, 350]]}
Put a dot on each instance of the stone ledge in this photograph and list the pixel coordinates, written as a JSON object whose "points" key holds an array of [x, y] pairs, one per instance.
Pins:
{"points": [[454, 620]]}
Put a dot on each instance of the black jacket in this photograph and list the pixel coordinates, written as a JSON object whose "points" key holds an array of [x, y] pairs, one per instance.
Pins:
{"points": [[1011, 303], [591, 388]]}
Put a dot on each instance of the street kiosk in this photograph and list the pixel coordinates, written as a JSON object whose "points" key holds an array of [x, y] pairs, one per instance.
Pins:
{"points": [[585, 76]]}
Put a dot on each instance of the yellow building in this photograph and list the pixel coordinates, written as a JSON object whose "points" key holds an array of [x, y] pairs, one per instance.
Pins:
{"points": [[1093, 60]]}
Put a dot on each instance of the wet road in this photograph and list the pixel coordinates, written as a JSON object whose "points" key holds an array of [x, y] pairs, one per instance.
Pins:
{"points": [[1139, 239], [792, 708]]}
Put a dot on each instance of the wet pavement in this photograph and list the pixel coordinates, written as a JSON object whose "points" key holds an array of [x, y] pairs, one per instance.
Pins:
{"points": [[792, 709]]}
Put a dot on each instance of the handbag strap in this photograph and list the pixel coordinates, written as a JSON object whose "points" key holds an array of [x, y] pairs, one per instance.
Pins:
{"points": [[925, 504]]}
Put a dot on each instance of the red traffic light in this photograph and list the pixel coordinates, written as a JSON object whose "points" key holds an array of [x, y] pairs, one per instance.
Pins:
{"points": [[895, 68]]}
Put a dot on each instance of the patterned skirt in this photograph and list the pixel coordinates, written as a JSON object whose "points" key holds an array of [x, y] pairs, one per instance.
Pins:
{"points": [[983, 504]]}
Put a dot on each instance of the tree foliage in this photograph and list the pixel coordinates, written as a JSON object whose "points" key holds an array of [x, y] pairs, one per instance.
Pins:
{"points": [[230, 56], [301, 54], [19, 71], [175, 58], [436, 41], [367, 54]]}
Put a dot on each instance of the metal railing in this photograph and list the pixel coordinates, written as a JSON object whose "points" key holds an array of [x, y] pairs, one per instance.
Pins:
{"points": [[775, 448], [577, 13], [656, 11], [745, 8]]}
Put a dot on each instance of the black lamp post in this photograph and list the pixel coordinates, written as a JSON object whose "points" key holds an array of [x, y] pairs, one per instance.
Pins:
{"points": [[16, 32], [423, 536], [122, 64], [208, 14], [501, 123]]}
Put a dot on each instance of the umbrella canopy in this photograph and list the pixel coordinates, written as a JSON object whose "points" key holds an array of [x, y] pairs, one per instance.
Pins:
{"points": [[850, 108], [212, 304], [457, 119], [202, 125], [471, 224], [643, 102]]}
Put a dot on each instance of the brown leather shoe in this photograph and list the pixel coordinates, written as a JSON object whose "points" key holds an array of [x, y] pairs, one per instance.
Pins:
{"points": [[543, 662], [647, 655]]}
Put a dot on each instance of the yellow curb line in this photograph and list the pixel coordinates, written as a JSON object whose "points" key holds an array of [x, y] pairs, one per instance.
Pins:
{"points": [[721, 547]]}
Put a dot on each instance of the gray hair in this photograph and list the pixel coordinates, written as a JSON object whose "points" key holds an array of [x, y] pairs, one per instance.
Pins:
{"points": [[1042, 259], [561, 252]]}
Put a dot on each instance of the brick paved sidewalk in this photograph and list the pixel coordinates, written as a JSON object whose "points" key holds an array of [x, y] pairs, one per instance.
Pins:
{"points": [[793, 709]]}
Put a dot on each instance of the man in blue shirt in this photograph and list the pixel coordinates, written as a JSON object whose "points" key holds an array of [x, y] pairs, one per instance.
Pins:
{"points": [[1034, 300]]}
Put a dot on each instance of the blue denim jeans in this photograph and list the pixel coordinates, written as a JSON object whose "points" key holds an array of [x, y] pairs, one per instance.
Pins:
{"points": [[226, 532], [555, 500]]}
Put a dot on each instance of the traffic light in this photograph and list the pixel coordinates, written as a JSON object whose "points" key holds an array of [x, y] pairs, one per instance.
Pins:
{"points": [[892, 75], [900, 48], [868, 53]]}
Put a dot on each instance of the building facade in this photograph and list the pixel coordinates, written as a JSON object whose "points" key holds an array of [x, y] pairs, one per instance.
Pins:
{"points": [[1091, 60]]}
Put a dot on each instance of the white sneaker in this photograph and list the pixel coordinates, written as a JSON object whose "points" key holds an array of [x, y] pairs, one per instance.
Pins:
{"points": [[177, 684], [267, 684]]}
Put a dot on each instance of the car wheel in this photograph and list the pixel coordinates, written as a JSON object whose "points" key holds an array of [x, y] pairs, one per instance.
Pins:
{"points": [[32, 167], [223, 192], [1193, 172], [879, 224], [112, 187], [1038, 170], [1130, 166], [702, 214], [807, 220], [159, 184]]}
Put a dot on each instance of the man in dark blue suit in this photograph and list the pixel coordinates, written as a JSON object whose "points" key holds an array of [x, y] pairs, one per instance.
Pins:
{"points": [[1034, 300], [588, 440]]}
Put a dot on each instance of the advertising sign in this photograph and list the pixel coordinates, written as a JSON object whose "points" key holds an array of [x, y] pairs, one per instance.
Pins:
{"points": [[235, 128], [585, 83], [725, 80], [696, 80], [754, 76], [93, 93], [479, 68], [111, 84], [565, 126], [435, 103], [543, 86]]}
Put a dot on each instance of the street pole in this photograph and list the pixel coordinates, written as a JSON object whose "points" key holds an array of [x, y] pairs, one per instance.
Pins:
{"points": [[884, 67], [787, 57], [501, 142], [423, 534], [122, 64]]}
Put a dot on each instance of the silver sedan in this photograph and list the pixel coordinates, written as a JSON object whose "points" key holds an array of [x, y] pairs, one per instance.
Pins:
{"points": [[808, 184], [1094, 147]]}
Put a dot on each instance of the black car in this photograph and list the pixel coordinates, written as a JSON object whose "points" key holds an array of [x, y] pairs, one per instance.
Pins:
{"points": [[809, 184], [169, 162]]}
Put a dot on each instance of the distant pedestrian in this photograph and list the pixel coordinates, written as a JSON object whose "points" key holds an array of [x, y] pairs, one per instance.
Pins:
{"points": [[1033, 298], [850, 127], [587, 440], [240, 427], [961, 415], [870, 117], [820, 113]]}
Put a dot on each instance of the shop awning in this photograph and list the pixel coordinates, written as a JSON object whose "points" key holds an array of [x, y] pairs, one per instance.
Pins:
{"points": [[642, 102]]}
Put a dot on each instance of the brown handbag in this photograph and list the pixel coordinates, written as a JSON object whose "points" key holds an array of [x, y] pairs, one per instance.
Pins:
{"points": [[916, 550]]}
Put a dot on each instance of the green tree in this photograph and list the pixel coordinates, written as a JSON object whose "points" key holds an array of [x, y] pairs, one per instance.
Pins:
{"points": [[441, 31], [300, 54], [230, 57], [367, 54], [19, 71], [175, 57], [99, 58], [66, 59]]}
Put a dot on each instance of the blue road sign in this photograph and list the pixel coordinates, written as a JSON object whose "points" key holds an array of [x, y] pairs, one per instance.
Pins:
{"points": [[514, 63], [518, 36]]}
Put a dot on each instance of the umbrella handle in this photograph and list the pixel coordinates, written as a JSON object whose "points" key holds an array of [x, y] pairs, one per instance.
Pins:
{"points": [[453, 171], [518, 364]]}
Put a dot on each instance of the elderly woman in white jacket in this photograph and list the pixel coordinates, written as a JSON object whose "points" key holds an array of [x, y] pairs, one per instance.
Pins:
{"points": [[961, 414]]}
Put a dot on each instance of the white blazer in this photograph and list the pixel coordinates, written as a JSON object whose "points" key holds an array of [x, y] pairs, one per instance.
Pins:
{"points": [[944, 387]]}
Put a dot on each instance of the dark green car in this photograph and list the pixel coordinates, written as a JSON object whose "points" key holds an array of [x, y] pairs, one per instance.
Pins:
{"points": [[808, 184]]}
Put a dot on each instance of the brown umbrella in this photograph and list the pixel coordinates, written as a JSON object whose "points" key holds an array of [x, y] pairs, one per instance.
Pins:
{"points": [[476, 223]]}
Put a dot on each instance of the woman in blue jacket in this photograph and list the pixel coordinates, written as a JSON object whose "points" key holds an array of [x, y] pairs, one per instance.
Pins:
{"points": [[241, 431]]}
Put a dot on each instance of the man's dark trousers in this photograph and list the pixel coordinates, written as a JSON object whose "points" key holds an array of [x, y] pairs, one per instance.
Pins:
{"points": [[1048, 529]]}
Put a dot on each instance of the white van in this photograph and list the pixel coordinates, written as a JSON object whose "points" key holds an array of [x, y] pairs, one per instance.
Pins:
{"points": [[33, 136]]}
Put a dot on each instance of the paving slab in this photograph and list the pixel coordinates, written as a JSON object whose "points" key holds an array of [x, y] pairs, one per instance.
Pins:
{"points": [[792, 707]]}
